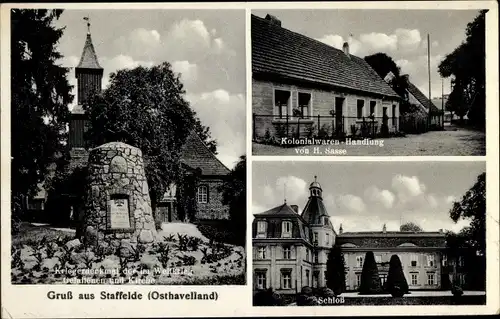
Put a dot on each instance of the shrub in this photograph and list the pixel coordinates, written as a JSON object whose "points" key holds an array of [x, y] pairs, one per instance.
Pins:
{"points": [[17, 261], [306, 290], [354, 129], [183, 242], [457, 291], [396, 283], [324, 131], [370, 280], [267, 298], [305, 300], [325, 292], [158, 224], [187, 260], [163, 250], [335, 271]]}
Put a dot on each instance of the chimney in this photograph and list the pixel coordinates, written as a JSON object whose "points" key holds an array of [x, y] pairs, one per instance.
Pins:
{"points": [[384, 229], [273, 20], [440, 230], [295, 208], [345, 48], [341, 230]]}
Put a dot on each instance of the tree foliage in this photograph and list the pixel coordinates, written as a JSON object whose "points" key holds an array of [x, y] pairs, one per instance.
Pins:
{"points": [[396, 283], [370, 280], [383, 64], [335, 270], [145, 107], [410, 227], [234, 195], [40, 94], [466, 66]]}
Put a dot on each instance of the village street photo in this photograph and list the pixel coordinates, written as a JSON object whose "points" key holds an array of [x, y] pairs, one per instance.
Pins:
{"points": [[128, 160], [363, 233], [395, 83]]}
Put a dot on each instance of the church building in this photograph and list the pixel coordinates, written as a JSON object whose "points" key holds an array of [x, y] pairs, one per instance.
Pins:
{"points": [[290, 250]]}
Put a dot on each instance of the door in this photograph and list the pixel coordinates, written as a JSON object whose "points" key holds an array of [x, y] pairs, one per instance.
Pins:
{"points": [[339, 106], [385, 117]]}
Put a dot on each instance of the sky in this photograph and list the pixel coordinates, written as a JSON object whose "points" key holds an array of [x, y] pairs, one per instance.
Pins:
{"points": [[401, 34], [206, 47], [363, 196]]}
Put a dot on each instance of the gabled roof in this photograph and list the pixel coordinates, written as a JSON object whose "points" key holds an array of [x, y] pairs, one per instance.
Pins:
{"points": [[422, 98], [280, 210], [196, 154], [88, 59], [281, 52]]}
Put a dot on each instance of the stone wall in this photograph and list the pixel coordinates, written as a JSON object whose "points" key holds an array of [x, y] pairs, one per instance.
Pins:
{"points": [[117, 182]]}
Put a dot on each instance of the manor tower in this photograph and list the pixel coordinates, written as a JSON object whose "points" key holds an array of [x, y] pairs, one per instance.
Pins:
{"points": [[323, 234]]}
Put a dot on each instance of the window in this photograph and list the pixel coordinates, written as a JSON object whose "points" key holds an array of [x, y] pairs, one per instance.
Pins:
{"points": [[306, 231], [261, 280], [315, 238], [414, 259], [307, 254], [393, 114], [202, 194], [461, 279], [261, 253], [361, 104], [347, 282], [444, 260], [327, 239], [316, 257], [281, 99], [378, 259], [286, 229], [383, 279], [287, 252], [430, 261], [414, 279], [359, 261], [261, 228], [372, 107], [358, 280], [461, 261], [286, 279], [430, 279], [304, 105], [307, 277]]}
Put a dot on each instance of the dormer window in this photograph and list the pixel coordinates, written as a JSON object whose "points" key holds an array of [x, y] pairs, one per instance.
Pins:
{"points": [[286, 228], [261, 229]]}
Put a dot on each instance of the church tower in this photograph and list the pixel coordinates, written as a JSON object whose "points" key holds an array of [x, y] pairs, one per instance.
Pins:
{"points": [[89, 81], [323, 234]]}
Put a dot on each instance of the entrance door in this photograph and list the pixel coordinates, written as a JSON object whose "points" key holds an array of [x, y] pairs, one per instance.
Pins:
{"points": [[385, 117], [339, 104]]}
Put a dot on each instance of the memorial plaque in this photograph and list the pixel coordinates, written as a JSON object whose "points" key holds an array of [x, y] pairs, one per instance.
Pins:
{"points": [[119, 213]]}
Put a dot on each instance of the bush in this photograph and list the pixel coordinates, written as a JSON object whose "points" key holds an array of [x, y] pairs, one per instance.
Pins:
{"points": [[396, 283], [267, 298], [335, 270], [326, 292], [457, 291], [306, 290], [370, 280], [305, 300]]}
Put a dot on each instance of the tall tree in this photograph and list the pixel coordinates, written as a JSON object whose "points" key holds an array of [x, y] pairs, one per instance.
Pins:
{"points": [[370, 280], [335, 270], [145, 107], [40, 94], [396, 282], [383, 64], [234, 195], [466, 66], [410, 227]]}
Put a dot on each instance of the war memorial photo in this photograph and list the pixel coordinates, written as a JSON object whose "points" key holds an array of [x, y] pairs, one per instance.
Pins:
{"points": [[360, 233], [398, 83], [128, 147]]}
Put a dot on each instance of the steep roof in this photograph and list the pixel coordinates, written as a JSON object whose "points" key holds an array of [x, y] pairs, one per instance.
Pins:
{"points": [[314, 210], [422, 98], [196, 154], [88, 59], [280, 210], [278, 51]]}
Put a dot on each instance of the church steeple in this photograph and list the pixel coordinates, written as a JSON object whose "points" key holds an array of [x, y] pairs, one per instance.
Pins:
{"points": [[88, 72]]}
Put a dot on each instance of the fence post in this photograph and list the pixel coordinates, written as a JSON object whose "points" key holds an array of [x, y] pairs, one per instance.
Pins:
{"points": [[287, 126], [318, 124], [254, 134], [298, 127]]}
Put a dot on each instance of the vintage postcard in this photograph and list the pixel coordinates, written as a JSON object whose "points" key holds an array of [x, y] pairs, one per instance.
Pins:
{"points": [[246, 159]]}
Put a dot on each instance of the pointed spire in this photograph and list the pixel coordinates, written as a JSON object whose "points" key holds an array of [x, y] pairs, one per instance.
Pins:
{"points": [[88, 59]]}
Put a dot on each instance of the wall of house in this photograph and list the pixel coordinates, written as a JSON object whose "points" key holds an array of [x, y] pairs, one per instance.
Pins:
{"points": [[214, 208], [322, 103], [421, 269]]}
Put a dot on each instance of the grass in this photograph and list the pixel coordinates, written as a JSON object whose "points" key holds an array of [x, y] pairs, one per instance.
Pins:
{"points": [[29, 233]]}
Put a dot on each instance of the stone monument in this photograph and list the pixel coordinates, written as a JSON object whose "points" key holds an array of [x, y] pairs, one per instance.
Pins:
{"points": [[117, 203]]}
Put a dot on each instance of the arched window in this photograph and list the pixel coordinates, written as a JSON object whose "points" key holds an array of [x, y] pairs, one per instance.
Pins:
{"points": [[202, 194]]}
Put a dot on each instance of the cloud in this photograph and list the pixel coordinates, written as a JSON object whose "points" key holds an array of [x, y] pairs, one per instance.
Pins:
{"points": [[417, 68], [293, 187], [224, 114], [401, 40], [188, 71], [349, 203], [407, 187], [377, 196]]}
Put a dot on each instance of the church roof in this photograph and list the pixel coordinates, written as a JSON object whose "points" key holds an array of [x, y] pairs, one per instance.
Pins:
{"points": [[196, 154], [88, 59]]}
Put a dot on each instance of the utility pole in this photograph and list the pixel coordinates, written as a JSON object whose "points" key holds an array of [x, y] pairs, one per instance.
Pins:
{"points": [[429, 71], [442, 98]]}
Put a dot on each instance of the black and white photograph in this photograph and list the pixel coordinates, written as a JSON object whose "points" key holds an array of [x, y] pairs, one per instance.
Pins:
{"points": [[362, 233], [128, 149], [368, 82]]}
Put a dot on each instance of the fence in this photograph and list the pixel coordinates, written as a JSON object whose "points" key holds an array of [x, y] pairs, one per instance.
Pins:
{"points": [[412, 124], [266, 127]]}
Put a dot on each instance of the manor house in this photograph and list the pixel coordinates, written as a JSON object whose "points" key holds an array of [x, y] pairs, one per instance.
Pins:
{"points": [[290, 250]]}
